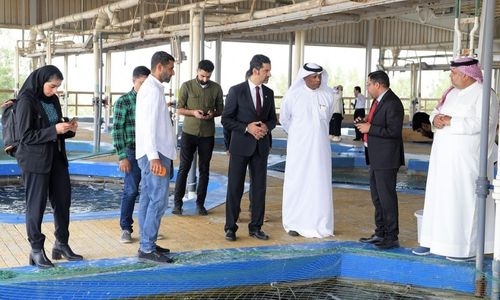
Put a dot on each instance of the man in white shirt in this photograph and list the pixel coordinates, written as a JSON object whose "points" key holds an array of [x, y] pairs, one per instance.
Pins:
{"points": [[338, 114], [155, 149], [359, 110]]}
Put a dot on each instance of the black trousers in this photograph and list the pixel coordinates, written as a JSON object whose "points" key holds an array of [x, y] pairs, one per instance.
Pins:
{"points": [[56, 187], [257, 165], [336, 124], [385, 201], [358, 113], [189, 145]]}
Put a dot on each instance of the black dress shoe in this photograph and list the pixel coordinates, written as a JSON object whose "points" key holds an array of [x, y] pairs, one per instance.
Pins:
{"points": [[293, 233], [161, 249], [387, 244], [372, 239], [177, 211], [259, 234], [230, 235], [39, 259], [61, 250], [201, 210]]}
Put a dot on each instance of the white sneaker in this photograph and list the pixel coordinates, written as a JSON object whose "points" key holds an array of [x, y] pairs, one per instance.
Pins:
{"points": [[126, 237], [336, 139], [460, 259], [421, 251]]}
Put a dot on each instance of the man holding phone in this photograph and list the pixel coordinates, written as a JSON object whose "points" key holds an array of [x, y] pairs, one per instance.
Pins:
{"points": [[200, 101]]}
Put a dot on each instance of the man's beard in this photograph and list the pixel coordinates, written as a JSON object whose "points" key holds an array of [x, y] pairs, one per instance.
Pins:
{"points": [[166, 78], [202, 83]]}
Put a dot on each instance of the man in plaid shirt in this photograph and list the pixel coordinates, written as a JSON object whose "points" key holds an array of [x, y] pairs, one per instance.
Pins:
{"points": [[124, 142]]}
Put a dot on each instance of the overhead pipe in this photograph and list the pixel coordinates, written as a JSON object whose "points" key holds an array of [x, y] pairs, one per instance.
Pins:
{"points": [[108, 10], [90, 14], [261, 18], [176, 10], [474, 29]]}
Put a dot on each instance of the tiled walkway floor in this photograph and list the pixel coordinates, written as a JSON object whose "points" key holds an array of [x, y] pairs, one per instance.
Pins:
{"points": [[99, 239]]}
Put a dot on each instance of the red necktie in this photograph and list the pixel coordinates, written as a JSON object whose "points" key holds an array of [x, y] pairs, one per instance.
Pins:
{"points": [[258, 104], [370, 117]]}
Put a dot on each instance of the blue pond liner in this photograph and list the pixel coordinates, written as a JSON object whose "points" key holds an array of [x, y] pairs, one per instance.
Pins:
{"points": [[202, 270], [216, 190]]}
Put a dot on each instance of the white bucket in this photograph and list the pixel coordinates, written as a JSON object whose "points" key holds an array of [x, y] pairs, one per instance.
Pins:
{"points": [[419, 213]]}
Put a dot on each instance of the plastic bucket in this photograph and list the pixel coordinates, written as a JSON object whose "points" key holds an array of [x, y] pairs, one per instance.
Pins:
{"points": [[418, 214]]}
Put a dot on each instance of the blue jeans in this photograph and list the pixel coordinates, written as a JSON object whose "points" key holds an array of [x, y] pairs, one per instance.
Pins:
{"points": [[153, 201], [130, 192]]}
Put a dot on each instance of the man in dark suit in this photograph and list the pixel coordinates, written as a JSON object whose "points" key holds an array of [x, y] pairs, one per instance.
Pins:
{"points": [[382, 135], [249, 115]]}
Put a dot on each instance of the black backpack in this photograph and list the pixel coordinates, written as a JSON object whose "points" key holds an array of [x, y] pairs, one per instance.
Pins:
{"points": [[10, 140]]}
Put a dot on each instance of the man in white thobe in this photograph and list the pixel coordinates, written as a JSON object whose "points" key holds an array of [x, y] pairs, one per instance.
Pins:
{"points": [[449, 223], [305, 113]]}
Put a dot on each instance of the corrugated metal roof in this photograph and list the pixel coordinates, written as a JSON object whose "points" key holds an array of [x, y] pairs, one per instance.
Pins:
{"points": [[399, 23]]}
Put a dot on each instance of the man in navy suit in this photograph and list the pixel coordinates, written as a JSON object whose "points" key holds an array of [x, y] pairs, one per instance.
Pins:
{"points": [[382, 135], [249, 115]]}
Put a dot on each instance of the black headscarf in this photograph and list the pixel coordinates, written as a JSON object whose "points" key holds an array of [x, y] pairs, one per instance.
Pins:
{"points": [[33, 86]]}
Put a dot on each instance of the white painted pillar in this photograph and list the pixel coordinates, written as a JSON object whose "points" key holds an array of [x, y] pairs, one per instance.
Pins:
{"points": [[107, 92], [65, 86], [298, 55], [97, 96], [368, 55], [195, 41], [16, 72]]}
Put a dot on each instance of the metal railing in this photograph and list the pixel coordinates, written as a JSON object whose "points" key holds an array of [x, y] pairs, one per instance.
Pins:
{"points": [[80, 103]]}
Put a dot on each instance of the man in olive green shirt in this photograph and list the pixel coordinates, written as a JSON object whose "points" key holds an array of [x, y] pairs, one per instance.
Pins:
{"points": [[200, 101]]}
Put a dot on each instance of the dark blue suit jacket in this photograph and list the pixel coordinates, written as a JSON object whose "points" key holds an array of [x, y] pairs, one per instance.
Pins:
{"points": [[239, 110], [385, 138]]}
